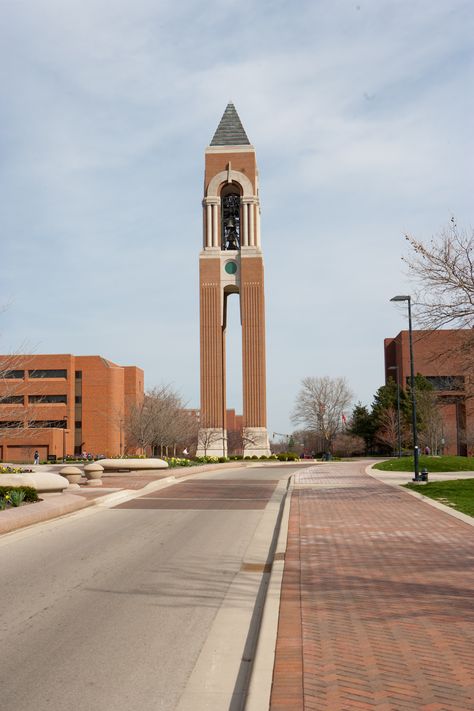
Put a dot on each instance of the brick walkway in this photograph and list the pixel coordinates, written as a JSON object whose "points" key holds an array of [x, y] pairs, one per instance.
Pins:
{"points": [[377, 608]]}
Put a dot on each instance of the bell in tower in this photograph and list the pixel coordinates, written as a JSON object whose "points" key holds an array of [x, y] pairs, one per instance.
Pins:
{"points": [[231, 261]]}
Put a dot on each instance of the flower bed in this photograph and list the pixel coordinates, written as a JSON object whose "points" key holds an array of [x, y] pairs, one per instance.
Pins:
{"points": [[11, 497], [14, 470]]}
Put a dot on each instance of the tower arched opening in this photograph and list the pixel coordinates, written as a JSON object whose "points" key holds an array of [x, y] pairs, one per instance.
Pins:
{"points": [[230, 217]]}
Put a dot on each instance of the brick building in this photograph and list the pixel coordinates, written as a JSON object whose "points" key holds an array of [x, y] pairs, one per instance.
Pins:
{"points": [[440, 356], [64, 404]]}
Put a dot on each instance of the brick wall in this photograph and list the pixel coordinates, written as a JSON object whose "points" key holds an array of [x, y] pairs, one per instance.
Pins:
{"points": [[99, 395], [439, 354]]}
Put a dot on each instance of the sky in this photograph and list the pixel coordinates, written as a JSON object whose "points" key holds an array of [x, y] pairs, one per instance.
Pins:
{"points": [[361, 117]]}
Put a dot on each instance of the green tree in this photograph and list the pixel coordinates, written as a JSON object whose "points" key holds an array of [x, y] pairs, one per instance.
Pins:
{"points": [[385, 416], [362, 424]]}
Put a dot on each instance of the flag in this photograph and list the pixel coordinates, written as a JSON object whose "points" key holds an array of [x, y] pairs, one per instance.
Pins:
{"points": [[343, 418]]}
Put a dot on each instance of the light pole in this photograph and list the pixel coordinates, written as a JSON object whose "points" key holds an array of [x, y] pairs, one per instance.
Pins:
{"points": [[64, 437], [399, 434], [412, 387]]}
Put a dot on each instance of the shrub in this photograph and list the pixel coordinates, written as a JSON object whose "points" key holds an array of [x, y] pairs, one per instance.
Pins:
{"points": [[16, 497], [207, 460], [178, 462], [13, 496], [288, 457]]}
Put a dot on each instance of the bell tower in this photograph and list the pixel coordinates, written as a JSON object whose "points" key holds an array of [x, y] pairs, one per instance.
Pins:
{"points": [[230, 262]]}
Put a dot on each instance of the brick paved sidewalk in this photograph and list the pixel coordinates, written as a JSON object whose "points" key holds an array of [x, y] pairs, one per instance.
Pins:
{"points": [[377, 607]]}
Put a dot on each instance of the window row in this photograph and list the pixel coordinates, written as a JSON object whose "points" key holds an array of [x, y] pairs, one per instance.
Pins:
{"points": [[38, 373], [444, 382], [19, 399], [37, 424]]}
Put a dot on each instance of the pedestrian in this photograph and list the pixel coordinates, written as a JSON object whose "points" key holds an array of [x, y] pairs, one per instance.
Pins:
{"points": [[36, 457], [427, 450]]}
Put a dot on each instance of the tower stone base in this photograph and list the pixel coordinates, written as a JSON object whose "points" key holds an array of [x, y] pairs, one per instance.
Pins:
{"points": [[212, 442], [256, 442]]}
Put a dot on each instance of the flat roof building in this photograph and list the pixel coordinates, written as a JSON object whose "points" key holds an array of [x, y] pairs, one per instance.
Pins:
{"points": [[442, 357], [65, 405]]}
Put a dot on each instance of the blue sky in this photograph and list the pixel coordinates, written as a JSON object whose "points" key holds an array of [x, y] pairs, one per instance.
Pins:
{"points": [[361, 115]]}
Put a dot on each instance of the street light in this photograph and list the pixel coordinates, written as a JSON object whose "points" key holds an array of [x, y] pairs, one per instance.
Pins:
{"points": [[395, 367], [412, 387]]}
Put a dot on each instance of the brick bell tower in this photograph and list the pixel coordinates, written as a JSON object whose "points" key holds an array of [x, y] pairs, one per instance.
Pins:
{"points": [[231, 262]]}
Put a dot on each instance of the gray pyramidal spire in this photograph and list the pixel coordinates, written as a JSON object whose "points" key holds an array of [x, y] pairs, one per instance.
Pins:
{"points": [[230, 131]]}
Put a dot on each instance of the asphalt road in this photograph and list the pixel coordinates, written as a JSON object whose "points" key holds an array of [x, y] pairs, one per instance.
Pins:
{"points": [[111, 609]]}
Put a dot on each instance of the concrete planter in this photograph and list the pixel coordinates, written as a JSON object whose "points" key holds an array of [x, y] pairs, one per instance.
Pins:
{"points": [[72, 474], [93, 473]]}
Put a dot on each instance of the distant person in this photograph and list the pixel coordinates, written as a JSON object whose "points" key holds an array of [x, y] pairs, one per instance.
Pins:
{"points": [[427, 450], [36, 457]]}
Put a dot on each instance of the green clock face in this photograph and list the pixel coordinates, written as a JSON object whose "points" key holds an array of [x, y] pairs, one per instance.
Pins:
{"points": [[231, 267]]}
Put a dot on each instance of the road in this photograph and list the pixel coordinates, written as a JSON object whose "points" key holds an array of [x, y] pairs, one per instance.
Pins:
{"points": [[112, 609]]}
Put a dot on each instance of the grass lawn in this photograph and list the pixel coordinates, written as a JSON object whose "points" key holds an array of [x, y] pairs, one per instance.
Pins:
{"points": [[458, 493], [433, 464]]}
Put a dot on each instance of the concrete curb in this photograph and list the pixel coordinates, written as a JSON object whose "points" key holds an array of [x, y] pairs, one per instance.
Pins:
{"points": [[426, 499], [219, 679], [261, 679], [44, 510]]}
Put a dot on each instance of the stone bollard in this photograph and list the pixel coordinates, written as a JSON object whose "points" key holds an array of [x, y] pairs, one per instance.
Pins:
{"points": [[73, 475], [93, 473]]}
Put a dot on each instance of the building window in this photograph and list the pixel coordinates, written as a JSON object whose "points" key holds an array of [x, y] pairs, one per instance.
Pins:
{"points": [[58, 424], [42, 373], [444, 383], [11, 424], [12, 374], [47, 398], [78, 375], [78, 424], [11, 400], [78, 399]]}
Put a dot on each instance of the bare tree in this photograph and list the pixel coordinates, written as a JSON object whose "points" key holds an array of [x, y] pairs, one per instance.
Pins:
{"points": [[161, 422], [320, 406], [207, 437], [139, 426], [443, 272], [431, 420], [387, 430], [348, 445]]}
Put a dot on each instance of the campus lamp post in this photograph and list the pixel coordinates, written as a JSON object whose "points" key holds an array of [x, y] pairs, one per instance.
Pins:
{"points": [[399, 434], [64, 438], [412, 387]]}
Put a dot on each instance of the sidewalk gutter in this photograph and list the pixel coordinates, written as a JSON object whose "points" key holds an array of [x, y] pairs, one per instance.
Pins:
{"points": [[220, 677], [260, 687]]}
